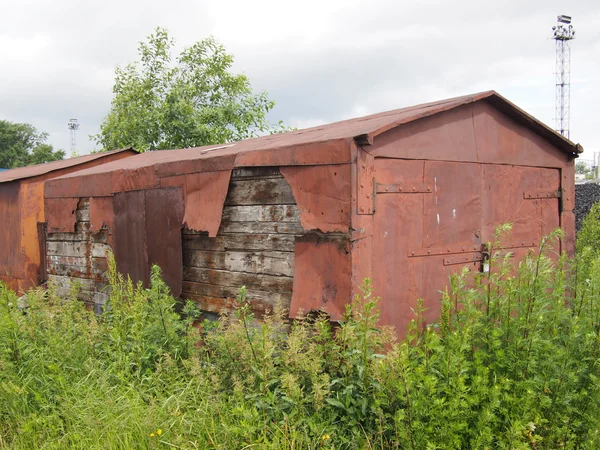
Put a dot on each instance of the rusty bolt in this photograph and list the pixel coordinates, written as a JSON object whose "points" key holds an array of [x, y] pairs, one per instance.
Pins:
{"points": [[522, 243], [362, 185], [362, 209], [414, 189], [387, 189], [368, 195], [477, 233], [400, 189], [463, 249], [412, 253], [429, 252]]}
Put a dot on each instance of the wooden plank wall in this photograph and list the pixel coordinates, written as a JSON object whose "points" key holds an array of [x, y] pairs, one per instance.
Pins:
{"points": [[254, 246], [80, 257]]}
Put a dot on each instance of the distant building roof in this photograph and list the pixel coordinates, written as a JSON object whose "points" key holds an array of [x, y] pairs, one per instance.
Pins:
{"points": [[42, 169]]}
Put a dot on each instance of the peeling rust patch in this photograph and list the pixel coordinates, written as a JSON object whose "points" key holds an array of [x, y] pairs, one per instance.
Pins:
{"points": [[323, 196], [60, 214], [205, 195]]}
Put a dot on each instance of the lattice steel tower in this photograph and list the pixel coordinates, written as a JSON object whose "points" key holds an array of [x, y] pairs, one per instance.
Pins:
{"points": [[73, 126], [563, 35]]}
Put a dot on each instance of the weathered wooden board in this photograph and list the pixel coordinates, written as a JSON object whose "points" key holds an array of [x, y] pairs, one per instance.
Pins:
{"points": [[254, 246], [69, 237], [77, 248], [242, 242], [262, 227], [261, 213], [267, 191], [79, 258], [238, 279], [211, 290], [83, 215], [265, 262], [255, 173]]}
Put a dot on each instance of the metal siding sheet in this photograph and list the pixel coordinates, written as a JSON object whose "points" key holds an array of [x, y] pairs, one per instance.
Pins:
{"points": [[327, 265], [504, 201], [205, 195], [60, 214], [452, 211], [37, 170], [10, 238], [323, 196], [164, 216], [101, 214]]}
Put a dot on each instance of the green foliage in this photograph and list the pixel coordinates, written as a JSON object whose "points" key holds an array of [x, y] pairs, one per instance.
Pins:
{"points": [[582, 168], [588, 236], [22, 145], [164, 103], [512, 363]]}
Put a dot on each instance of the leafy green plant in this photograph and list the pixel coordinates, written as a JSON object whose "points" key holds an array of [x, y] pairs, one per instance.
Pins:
{"points": [[161, 102], [513, 362]]}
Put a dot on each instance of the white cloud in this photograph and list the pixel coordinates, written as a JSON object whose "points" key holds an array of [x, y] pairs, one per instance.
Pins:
{"points": [[319, 60]]}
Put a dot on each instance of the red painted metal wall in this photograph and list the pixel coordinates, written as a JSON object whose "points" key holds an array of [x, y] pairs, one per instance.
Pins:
{"points": [[442, 186], [10, 215], [20, 245]]}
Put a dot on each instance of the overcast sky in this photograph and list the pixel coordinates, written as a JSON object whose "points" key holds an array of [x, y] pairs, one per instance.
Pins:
{"points": [[320, 61]]}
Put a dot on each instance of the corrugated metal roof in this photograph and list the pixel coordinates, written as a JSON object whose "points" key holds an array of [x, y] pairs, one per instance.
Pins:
{"points": [[363, 128], [42, 169]]}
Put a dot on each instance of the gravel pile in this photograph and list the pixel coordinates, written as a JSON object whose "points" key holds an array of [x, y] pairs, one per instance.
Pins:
{"points": [[586, 195]]}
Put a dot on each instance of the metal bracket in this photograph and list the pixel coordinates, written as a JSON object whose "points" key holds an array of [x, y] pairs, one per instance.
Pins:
{"points": [[533, 195], [464, 259], [446, 250], [403, 188]]}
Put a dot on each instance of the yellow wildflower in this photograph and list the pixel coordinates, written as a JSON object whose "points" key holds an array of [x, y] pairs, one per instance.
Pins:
{"points": [[151, 434], [159, 431], [325, 437]]}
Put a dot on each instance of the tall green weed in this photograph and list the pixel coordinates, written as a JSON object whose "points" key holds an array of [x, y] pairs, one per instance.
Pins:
{"points": [[512, 363]]}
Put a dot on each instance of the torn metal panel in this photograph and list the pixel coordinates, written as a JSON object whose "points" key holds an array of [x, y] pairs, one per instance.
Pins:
{"points": [[205, 195], [164, 215], [323, 196], [322, 276], [101, 214], [60, 214]]}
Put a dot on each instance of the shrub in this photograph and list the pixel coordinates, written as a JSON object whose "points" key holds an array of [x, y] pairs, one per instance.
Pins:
{"points": [[512, 363], [588, 236]]}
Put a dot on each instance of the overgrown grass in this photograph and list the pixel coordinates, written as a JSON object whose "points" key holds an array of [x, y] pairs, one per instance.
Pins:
{"points": [[512, 363]]}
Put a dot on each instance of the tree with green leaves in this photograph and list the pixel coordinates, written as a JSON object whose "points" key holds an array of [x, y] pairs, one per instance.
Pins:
{"points": [[22, 145], [161, 102], [582, 168]]}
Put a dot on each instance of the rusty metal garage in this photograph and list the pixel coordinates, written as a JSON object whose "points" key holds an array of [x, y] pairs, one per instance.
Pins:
{"points": [[22, 212], [404, 197]]}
